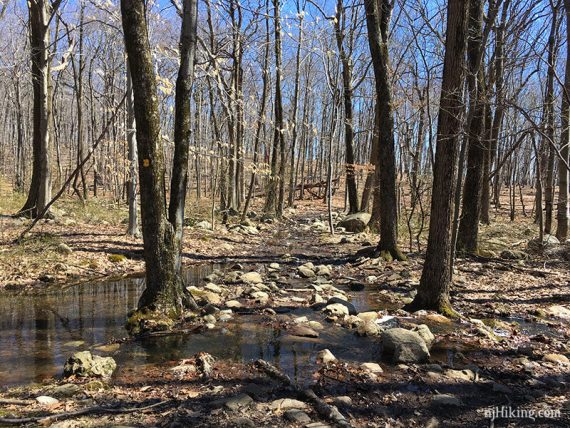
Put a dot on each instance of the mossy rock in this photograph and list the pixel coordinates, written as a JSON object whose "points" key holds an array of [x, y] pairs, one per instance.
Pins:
{"points": [[117, 258], [145, 321]]}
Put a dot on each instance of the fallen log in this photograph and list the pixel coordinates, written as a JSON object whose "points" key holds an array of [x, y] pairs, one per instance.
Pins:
{"points": [[325, 410]]}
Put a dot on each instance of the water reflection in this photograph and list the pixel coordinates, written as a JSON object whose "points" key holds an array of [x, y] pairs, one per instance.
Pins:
{"points": [[38, 333]]}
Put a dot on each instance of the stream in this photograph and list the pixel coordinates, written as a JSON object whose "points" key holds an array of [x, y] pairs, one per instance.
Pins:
{"points": [[38, 332]]}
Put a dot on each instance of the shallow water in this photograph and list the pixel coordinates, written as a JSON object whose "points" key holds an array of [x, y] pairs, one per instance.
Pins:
{"points": [[39, 332]]}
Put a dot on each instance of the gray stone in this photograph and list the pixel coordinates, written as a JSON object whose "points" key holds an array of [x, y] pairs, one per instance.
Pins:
{"points": [[325, 356], [426, 334], [446, 400], [238, 402], [251, 278], [297, 416], [351, 309], [355, 223], [405, 346], [336, 310], [514, 255], [64, 391], [466, 375], [303, 331], [343, 400], [46, 400], [323, 270], [205, 225], [305, 272], [288, 404], [371, 367], [213, 288], [64, 249], [369, 328], [85, 364]]}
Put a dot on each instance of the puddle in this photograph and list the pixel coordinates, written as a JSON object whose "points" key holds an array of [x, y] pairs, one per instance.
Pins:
{"points": [[39, 332]]}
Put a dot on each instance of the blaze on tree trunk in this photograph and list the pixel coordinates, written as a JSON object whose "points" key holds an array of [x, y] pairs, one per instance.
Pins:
{"points": [[433, 292], [378, 14], [40, 188], [162, 230]]}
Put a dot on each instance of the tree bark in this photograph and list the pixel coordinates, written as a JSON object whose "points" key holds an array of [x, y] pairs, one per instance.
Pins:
{"points": [[433, 292], [562, 214], [378, 13]]}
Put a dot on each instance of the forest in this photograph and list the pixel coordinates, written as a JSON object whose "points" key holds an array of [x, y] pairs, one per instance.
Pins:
{"points": [[284, 213]]}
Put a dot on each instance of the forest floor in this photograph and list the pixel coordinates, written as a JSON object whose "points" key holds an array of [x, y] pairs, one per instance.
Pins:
{"points": [[510, 348]]}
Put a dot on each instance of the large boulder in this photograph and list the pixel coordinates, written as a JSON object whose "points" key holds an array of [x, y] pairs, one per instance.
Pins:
{"points": [[349, 306], [85, 364], [405, 346], [355, 223]]}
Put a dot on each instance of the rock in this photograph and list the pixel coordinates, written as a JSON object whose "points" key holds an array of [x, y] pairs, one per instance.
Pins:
{"points": [[325, 356], [206, 225], [466, 375], [297, 416], [182, 370], [425, 333], [210, 319], [302, 331], [305, 272], [369, 328], [260, 296], [210, 309], [213, 288], [336, 310], [233, 304], [559, 311], [368, 316], [85, 364], [46, 400], [514, 255], [94, 385], [232, 277], [300, 320], [112, 347], [274, 266], [251, 278], [349, 306], [323, 270], [315, 325], [343, 400], [238, 402], [405, 346], [355, 223], [316, 299], [557, 359], [317, 425], [287, 404], [64, 249], [371, 367], [64, 391], [446, 400]]}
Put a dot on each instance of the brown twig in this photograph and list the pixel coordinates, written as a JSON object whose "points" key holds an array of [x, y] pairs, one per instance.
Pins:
{"points": [[82, 412]]}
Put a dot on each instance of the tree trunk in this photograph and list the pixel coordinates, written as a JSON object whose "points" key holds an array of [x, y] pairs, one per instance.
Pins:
{"points": [[162, 235], [40, 189], [433, 292], [133, 229], [467, 235], [562, 214], [378, 15]]}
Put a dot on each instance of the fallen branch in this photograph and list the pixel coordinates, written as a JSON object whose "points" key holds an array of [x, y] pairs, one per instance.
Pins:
{"points": [[325, 410], [82, 412], [75, 172], [13, 402]]}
